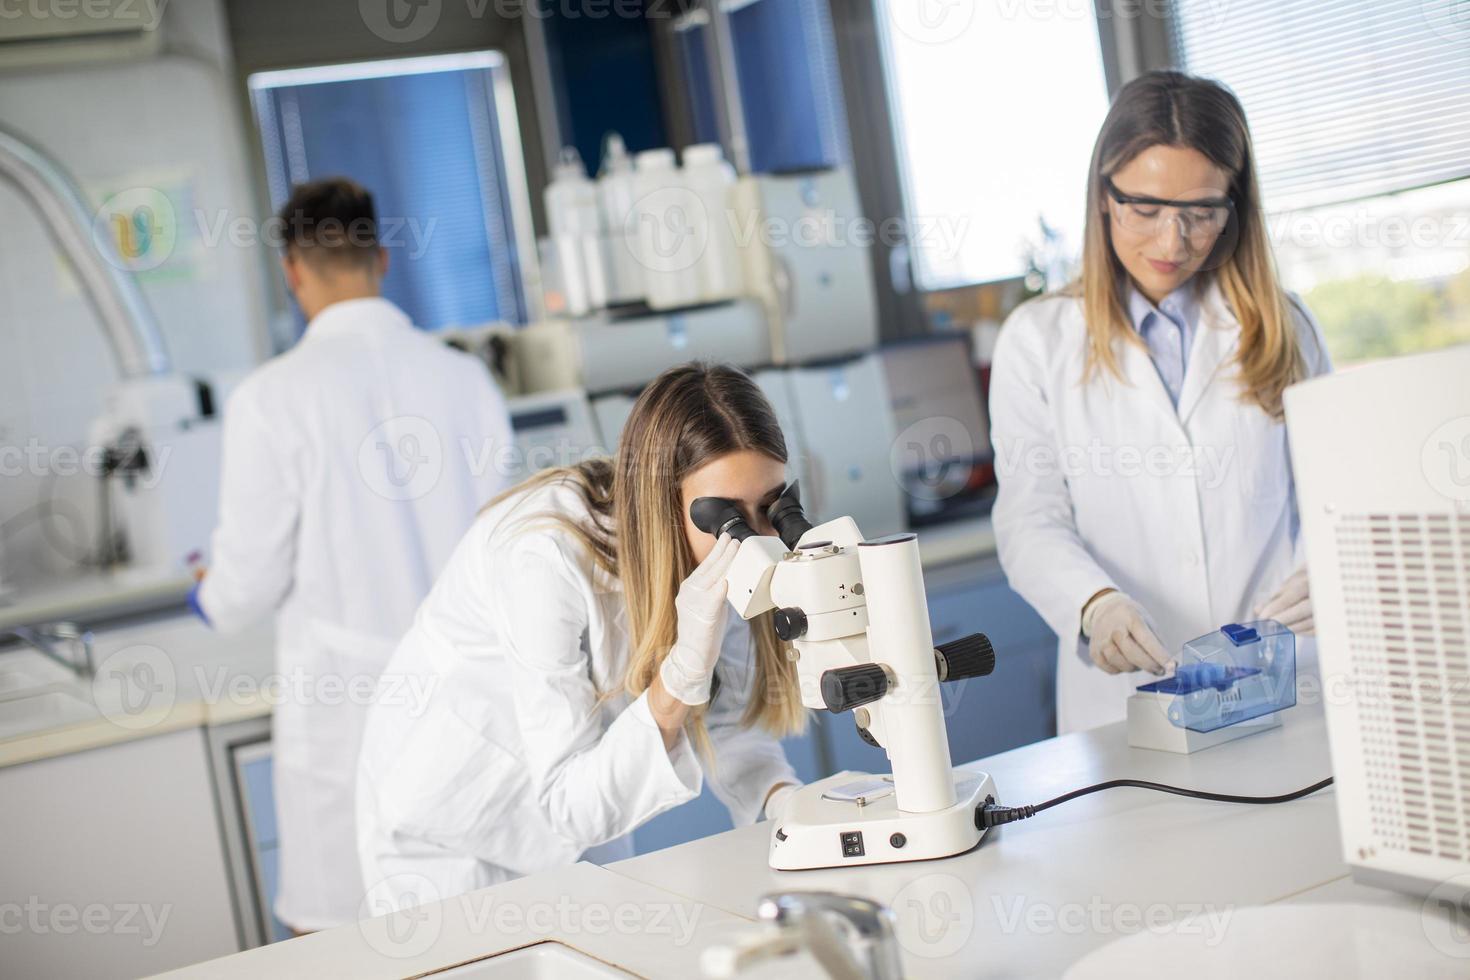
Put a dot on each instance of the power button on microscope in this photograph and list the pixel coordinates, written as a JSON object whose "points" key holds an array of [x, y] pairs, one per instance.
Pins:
{"points": [[852, 844]]}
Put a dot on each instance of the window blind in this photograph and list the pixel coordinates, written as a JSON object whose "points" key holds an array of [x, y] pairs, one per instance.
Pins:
{"points": [[786, 67], [786, 60], [1346, 99], [426, 143]]}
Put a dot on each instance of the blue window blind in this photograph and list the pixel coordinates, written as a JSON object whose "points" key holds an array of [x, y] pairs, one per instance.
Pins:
{"points": [[692, 35], [426, 143], [786, 64]]}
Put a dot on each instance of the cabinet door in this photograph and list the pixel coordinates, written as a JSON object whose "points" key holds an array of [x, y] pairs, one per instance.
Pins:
{"points": [[115, 855]]}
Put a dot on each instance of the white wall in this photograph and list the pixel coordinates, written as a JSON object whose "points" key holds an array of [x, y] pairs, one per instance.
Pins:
{"points": [[172, 122]]}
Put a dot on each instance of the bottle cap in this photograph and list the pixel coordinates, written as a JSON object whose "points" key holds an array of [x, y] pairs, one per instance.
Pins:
{"points": [[569, 165], [615, 158], [703, 153], [660, 159]]}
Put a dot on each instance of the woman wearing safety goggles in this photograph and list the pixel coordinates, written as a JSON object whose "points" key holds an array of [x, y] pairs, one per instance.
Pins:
{"points": [[1146, 494]]}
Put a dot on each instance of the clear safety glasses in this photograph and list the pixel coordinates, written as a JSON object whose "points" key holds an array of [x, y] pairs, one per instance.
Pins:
{"points": [[1201, 222]]}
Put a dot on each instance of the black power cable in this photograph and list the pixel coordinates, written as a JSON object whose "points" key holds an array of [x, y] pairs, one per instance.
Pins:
{"points": [[993, 814]]}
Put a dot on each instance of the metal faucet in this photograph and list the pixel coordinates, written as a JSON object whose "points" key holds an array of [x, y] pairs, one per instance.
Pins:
{"points": [[867, 951], [43, 639]]}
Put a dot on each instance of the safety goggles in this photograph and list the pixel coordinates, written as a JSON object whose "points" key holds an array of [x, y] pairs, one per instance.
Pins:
{"points": [[1200, 221]]}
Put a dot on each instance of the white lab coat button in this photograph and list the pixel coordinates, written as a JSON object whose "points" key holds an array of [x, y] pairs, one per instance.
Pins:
{"points": [[1191, 558]]}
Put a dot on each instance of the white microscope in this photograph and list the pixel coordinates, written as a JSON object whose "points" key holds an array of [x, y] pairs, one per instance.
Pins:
{"points": [[855, 613]]}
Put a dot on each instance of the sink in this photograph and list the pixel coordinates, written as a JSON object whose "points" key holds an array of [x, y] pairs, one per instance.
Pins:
{"points": [[40, 712], [543, 961], [25, 671]]}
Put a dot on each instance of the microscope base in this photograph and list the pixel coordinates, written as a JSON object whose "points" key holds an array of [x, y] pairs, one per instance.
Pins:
{"points": [[820, 831]]}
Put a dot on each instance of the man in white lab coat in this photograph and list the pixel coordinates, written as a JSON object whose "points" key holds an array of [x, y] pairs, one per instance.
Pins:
{"points": [[352, 466]]}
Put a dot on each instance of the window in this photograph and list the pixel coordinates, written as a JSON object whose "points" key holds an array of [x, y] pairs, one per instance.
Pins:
{"points": [[996, 107], [435, 141], [786, 68], [1360, 115]]}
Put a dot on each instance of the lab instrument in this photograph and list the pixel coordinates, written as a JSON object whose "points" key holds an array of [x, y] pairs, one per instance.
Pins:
{"points": [[1228, 684], [1381, 456], [807, 257], [551, 428], [855, 613]]}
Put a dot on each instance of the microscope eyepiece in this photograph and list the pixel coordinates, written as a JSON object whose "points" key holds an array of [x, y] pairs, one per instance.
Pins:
{"points": [[719, 515], [786, 515]]}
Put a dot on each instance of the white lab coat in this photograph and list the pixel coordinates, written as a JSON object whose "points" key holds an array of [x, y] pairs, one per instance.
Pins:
{"points": [[352, 465], [527, 754], [1191, 511]]}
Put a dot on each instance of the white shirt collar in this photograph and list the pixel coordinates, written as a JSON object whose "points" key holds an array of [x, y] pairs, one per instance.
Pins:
{"points": [[356, 314]]}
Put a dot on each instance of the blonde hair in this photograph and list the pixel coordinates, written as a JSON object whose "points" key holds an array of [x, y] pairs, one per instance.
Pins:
{"points": [[685, 418], [1173, 109]]}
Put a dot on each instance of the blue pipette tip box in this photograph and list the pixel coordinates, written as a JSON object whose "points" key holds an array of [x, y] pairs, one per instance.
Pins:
{"points": [[1234, 674]]}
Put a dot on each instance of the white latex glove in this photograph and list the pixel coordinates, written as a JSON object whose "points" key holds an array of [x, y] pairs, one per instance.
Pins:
{"points": [[1119, 637], [700, 608], [1291, 606], [776, 802]]}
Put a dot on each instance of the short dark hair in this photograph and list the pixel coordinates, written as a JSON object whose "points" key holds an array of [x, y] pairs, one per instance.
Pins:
{"points": [[331, 220]]}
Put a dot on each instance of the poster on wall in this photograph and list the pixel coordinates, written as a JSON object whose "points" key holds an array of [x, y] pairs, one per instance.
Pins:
{"points": [[148, 222]]}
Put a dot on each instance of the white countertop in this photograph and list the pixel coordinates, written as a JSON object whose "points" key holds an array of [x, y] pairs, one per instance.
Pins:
{"points": [[152, 677], [604, 915], [1032, 900], [94, 595]]}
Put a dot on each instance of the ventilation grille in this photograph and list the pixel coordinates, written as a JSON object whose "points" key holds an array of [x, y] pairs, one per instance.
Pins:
{"points": [[1406, 589]]}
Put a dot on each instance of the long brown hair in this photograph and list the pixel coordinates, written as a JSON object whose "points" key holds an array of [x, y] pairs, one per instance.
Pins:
{"points": [[1170, 108], [685, 418]]}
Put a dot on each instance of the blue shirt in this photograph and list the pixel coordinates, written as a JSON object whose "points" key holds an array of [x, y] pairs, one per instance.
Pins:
{"points": [[1168, 331]]}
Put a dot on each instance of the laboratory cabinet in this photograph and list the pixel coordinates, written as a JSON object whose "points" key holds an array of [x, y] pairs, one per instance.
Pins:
{"points": [[113, 862]]}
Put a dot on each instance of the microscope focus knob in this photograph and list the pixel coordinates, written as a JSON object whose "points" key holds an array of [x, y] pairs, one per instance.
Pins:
{"points": [[844, 688], [790, 623], [969, 656]]}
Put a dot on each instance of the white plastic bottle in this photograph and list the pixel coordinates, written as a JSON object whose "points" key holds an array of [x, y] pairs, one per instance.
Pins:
{"points": [[575, 220], [616, 194], [669, 231], [709, 176]]}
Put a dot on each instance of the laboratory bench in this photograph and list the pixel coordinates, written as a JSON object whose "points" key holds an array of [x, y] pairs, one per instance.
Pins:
{"points": [[1125, 876]]}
